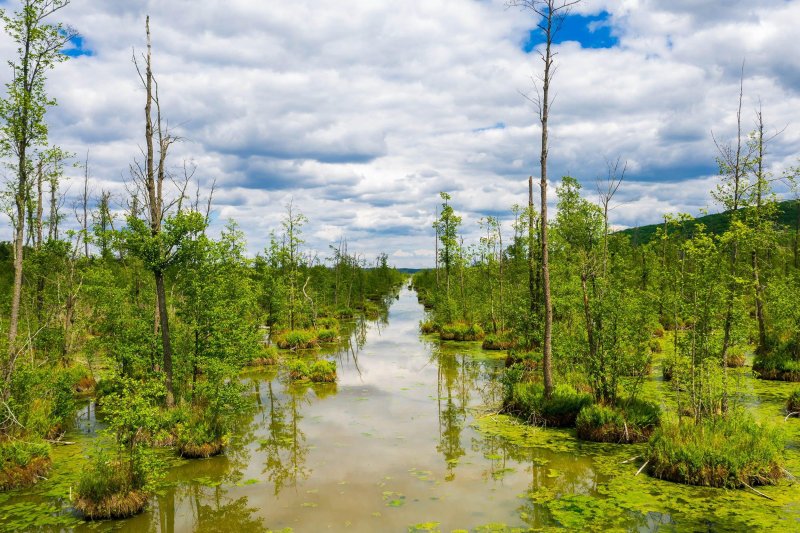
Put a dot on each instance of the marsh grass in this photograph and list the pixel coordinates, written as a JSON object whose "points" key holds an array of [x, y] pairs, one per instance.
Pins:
{"points": [[460, 331], [628, 424], [793, 403], [298, 339], [321, 371], [497, 342], [527, 401], [723, 451], [22, 464], [109, 490]]}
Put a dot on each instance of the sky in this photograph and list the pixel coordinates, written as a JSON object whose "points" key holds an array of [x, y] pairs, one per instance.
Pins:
{"points": [[360, 112]]}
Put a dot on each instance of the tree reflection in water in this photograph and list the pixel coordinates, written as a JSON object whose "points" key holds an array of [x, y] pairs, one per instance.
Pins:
{"points": [[285, 445]]}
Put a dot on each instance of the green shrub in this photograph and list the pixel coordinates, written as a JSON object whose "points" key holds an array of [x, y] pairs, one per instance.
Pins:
{"points": [[497, 342], [198, 438], [630, 423], [345, 312], [723, 451], [782, 363], [459, 331], [428, 327], [328, 323], [323, 372], [655, 346], [297, 339], [266, 357], [527, 401], [326, 335], [317, 372], [793, 404], [22, 463], [109, 489]]}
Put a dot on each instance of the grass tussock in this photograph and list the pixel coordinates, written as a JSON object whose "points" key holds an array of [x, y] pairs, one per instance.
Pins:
{"points": [[730, 452], [268, 356], [735, 360], [527, 401], [497, 342], [204, 450], [781, 364], [428, 327], [22, 464], [630, 424], [113, 506], [110, 489], [322, 371], [460, 331], [793, 404], [298, 339]]}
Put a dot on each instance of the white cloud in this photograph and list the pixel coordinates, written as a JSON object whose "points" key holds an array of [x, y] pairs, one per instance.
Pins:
{"points": [[362, 111]]}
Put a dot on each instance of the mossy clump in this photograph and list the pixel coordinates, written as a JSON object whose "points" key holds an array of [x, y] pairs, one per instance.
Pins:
{"points": [[793, 404], [328, 322], [268, 356], [321, 371], [655, 346], [528, 361], [736, 359], [627, 424], [460, 331], [497, 342], [327, 335], [428, 327], [297, 339], [782, 364], [197, 440], [729, 451], [22, 464], [527, 401], [109, 490], [658, 332]]}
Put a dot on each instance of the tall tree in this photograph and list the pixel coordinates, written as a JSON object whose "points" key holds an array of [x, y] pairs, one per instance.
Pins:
{"points": [[160, 248], [551, 14], [23, 127]]}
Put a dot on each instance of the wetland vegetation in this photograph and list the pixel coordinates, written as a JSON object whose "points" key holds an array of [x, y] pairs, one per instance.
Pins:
{"points": [[158, 378]]}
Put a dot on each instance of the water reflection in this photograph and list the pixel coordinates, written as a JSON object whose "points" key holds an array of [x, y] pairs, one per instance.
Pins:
{"points": [[285, 443]]}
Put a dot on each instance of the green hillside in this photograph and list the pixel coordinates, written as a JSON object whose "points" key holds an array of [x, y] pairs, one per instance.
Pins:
{"points": [[788, 212]]}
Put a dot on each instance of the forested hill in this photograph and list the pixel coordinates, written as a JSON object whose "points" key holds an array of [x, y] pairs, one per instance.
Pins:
{"points": [[788, 216]]}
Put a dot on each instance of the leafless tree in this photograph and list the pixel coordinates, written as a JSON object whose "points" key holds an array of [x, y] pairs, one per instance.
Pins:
{"points": [[551, 15]]}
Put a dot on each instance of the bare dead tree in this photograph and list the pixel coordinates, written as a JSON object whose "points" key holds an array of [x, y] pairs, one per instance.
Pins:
{"points": [[551, 15], [151, 176], [606, 189]]}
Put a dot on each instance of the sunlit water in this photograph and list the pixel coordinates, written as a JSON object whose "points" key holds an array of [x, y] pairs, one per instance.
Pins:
{"points": [[390, 446]]}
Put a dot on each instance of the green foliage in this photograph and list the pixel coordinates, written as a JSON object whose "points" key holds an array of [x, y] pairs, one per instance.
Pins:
{"points": [[297, 339], [627, 423], [22, 463], [793, 403], [106, 477], [321, 371], [460, 331], [43, 399], [527, 401], [728, 451]]}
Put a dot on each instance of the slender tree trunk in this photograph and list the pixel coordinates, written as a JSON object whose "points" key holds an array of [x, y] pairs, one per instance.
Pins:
{"points": [[165, 341], [547, 355], [531, 274]]}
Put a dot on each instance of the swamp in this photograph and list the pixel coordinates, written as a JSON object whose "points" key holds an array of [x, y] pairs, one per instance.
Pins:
{"points": [[435, 347]]}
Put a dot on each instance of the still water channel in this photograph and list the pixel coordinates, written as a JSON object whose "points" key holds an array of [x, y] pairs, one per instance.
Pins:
{"points": [[402, 442]]}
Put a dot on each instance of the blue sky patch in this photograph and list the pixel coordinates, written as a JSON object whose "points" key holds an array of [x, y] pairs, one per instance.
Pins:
{"points": [[77, 47], [592, 31]]}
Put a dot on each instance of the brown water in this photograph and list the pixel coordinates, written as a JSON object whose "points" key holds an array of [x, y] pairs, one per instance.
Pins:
{"points": [[392, 446]]}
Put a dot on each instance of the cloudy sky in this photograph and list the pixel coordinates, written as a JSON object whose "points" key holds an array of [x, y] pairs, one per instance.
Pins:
{"points": [[361, 111]]}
